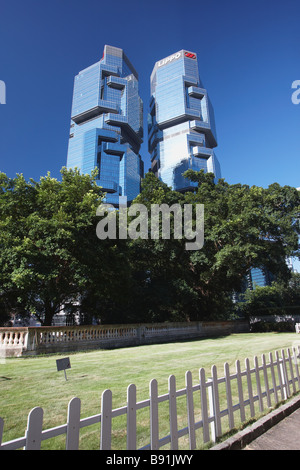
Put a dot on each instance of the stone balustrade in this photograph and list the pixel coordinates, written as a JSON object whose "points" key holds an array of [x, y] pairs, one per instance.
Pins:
{"points": [[20, 341], [13, 341]]}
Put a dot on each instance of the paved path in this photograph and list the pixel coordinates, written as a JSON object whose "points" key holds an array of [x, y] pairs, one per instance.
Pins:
{"points": [[278, 430], [283, 436]]}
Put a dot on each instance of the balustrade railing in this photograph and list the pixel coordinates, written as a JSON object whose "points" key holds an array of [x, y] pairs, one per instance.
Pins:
{"points": [[13, 337], [32, 340]]}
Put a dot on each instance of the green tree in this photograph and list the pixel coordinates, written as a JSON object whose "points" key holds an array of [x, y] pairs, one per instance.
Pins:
{"points": [[277, 299], [244, 227], [50, 256], [160, 266]]}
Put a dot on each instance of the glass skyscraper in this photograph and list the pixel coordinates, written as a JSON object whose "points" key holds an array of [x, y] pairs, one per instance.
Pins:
{"points": [[181, 127], [259, 277], [107, 125]]}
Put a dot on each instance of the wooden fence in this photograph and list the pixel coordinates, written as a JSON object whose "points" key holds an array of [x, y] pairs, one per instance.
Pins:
{"points": [[236, 396]]}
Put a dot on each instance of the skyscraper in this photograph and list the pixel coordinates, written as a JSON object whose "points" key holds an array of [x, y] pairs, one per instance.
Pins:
{"points": [[181, 127], [107, 125]]}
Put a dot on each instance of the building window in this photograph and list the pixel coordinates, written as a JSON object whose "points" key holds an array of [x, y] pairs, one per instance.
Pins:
{"points": [[98, 163]]}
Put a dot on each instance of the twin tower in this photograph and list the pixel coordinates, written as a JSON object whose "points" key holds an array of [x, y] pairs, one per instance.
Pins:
{"points": [[107, 124]]}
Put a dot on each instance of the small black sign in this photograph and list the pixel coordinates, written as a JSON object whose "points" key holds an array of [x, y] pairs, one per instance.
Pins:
{"points": [[63, 363]]}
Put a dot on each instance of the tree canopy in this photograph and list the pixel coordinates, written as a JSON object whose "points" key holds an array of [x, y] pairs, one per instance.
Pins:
{"points": [[50, 256], [244, 227], [51, 259]]}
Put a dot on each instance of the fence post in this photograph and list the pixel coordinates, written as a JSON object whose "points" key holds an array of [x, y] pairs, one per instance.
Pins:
{"points": [[154, 415], [131, 417], [73, 424], [204, 411], [173, 413], [106, 411], [190, 409], [240, 390], [34, 429], [249, 384]]}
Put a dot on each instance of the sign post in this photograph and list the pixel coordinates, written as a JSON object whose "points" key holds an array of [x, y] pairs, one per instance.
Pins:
{"points": [[63, 364]]}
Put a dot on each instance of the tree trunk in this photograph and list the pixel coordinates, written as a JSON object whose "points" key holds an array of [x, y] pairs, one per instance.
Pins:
{"points": [[49, 313]]}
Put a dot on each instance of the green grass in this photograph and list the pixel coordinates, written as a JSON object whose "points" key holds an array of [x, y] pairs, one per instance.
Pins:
{"points": [[34, 381]]}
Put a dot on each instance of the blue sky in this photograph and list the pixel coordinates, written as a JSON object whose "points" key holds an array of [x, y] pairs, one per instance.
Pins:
{"points": [[248, 55]]}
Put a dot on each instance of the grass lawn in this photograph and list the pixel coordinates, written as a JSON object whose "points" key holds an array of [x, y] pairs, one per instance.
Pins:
{"points": [[34, 381]]}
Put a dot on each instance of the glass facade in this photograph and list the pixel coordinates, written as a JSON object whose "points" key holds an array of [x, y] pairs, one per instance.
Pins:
{"points": [[181, 127], [107, 125], [258, 277]]}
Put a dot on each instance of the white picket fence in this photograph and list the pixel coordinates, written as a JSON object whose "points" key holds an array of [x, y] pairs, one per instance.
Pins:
{"points": [[261, 386]]}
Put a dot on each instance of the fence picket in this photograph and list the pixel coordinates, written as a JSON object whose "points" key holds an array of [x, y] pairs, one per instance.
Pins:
{"points": [[273, 377], [229, 395], [73, 424], [249, 384], [154, 433], [265, 372], [106, 412], [280, 375], [1, 430], [240, 390], [173, 413], [296, 366], [216, 428], [291, 370], [258, 385], [190, 409], [34, 429], [131, 417], [204, 409], [285, 375]]}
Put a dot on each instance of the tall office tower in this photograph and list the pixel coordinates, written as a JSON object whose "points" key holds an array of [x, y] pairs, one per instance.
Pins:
{"points": [[181, 127], [107, 125]]}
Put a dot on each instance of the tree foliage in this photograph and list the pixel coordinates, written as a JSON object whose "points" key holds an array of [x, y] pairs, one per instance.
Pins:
{"points": [[277, 299], [49, 255], [245, 227], [51, 258]]}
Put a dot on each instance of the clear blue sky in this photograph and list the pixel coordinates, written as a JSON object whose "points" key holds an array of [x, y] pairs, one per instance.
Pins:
{"points": [[248, 54]]}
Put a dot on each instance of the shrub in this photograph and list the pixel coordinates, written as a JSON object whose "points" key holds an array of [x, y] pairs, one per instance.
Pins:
{"points": [[268, 326]]}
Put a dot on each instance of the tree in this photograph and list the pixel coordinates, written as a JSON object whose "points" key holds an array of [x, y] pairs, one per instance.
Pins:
{"points": [[50, 255], [277, 299], [160, 266], [51, 258], [245, 227]]}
